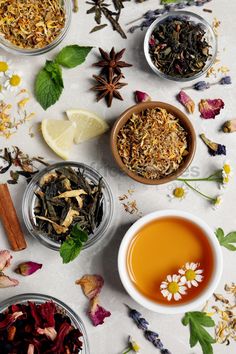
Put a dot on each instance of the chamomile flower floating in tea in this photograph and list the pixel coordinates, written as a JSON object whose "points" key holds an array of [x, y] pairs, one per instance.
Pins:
{"points": [[174, 287], [191, 274], [14, 81]]}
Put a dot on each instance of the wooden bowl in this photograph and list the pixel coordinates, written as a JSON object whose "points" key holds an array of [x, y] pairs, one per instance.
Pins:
{"points": [[184, 122]]}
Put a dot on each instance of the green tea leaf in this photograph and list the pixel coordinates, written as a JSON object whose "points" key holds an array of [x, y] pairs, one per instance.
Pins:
{"points": [[226, 241], [197, 321], [72, 55], [48, 87], [69, 250]]}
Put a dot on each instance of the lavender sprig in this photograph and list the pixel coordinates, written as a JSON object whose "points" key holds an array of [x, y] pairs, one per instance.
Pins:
{"points": [[151, 15], [203, 85], [151, 336]]}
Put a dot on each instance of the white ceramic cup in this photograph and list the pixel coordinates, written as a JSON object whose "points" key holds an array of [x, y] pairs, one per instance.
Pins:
{"points": [[178, 308]]}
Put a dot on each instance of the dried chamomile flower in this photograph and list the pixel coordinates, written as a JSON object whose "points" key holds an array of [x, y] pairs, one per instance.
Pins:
{"points": [[14, 81]]}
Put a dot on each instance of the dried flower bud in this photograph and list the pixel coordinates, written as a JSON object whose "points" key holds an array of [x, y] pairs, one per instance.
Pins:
{"points": [[229, 126], [28, 268], [225, 80], [7, 282], [153, 337], [141, 97], [201, 86], [186, 101], [5, 259]]}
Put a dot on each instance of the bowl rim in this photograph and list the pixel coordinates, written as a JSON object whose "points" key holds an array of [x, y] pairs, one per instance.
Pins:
{"points": [[149, 33], [13, 49], [125, 116], [154, 306], [53, 245], [36, 297]]}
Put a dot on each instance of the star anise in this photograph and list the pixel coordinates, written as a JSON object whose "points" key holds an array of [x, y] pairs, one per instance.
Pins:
{"points": [[111, 61], [108, 87]]}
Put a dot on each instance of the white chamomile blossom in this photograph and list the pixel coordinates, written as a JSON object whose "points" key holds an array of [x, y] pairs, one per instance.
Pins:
{"points": [[216, 202], [178, 193], [226, 173], [190, 274], [173, 287], [14, 81], [4, 66]]}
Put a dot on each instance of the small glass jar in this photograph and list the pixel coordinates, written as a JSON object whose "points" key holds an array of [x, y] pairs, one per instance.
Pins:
{"points": [[61, 307], [13, 49], [192, 17], [29, 202]]}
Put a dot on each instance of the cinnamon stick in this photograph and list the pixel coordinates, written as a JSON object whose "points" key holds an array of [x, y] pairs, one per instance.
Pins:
{"points": [[10, 220]]}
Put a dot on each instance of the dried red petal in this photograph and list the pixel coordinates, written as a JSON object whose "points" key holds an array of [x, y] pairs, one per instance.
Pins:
{"points": [[11, 318], [97, 313], [50, 332], [58, 347], [91, 285], [43, 314], [186, 101], [210, 108]]}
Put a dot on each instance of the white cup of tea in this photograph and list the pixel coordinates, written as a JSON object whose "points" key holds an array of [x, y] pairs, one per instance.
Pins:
{"points": [[142, 276]]}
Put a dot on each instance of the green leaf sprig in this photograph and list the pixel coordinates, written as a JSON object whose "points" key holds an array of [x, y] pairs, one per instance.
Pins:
{"points": [[226, 240], [73, 244], [49, 82], [197, 321]]}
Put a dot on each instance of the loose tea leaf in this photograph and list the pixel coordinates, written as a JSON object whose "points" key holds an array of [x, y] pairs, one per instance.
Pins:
{"points": [[228, 240]]}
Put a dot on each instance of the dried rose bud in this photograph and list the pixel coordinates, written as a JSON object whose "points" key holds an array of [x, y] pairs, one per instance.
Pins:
{"points": [[5, 259], [186, 101], [7, 282], [229, 126], [141, 97], [28, 268]]}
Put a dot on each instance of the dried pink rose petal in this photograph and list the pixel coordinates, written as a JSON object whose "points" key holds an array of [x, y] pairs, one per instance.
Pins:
{"points": [[5, 259], [91, 285], [7, 282], [28, 268], [210, 108], [97, 313], [11, 318], [186, 101], [141, 97], [50, 332]]}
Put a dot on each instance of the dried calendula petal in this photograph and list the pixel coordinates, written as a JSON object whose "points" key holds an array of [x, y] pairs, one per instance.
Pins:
{"points": [[71, 194], [97, 313], [58, 228], [70, 217], [186, 101], [91, 285], [231, 288], [210, 108]]}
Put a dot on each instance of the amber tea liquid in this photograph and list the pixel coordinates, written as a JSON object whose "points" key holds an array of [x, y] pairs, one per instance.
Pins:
{"points": [[162, 247]]}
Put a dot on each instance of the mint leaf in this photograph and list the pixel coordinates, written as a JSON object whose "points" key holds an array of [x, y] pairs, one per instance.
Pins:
{"points": [[55, 71], [72, 55], [163, 2], [69, 250], [72, 246], [197, 321], [47, 88], [226, 241]]}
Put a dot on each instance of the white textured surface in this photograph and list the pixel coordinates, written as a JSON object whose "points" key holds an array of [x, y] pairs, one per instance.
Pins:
{"points": [[58, 280]]}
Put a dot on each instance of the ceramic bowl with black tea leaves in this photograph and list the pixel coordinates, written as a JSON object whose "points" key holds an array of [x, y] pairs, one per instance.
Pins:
{"points": [[41, 202], [180, 46]]}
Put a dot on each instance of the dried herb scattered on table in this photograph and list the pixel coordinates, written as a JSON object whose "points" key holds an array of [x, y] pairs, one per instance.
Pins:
{"points": [[213, 148], [38, 328], [148, 139], [23, 164], [67, 199], [101, 8], [178, 47], [109, 79], [31, 24]]}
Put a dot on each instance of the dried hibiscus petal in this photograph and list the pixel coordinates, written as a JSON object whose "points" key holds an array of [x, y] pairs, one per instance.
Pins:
{"points": [[10, 318], [43, 314], [58, 347], [5, 259], [91, 285], [50, 332], [28, 268], [186, 101], [210, 108], [97, 313]]}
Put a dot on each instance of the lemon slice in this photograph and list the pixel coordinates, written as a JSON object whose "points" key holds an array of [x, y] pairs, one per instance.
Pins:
{"points": [[59, 135], [88, 124]]}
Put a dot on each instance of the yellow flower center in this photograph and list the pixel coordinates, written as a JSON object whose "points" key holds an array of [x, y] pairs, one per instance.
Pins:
{"points": [[173, 287], [3, 66], [227, 168], [179, 192], [190, 275], [217, 201], [15, 80]]}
